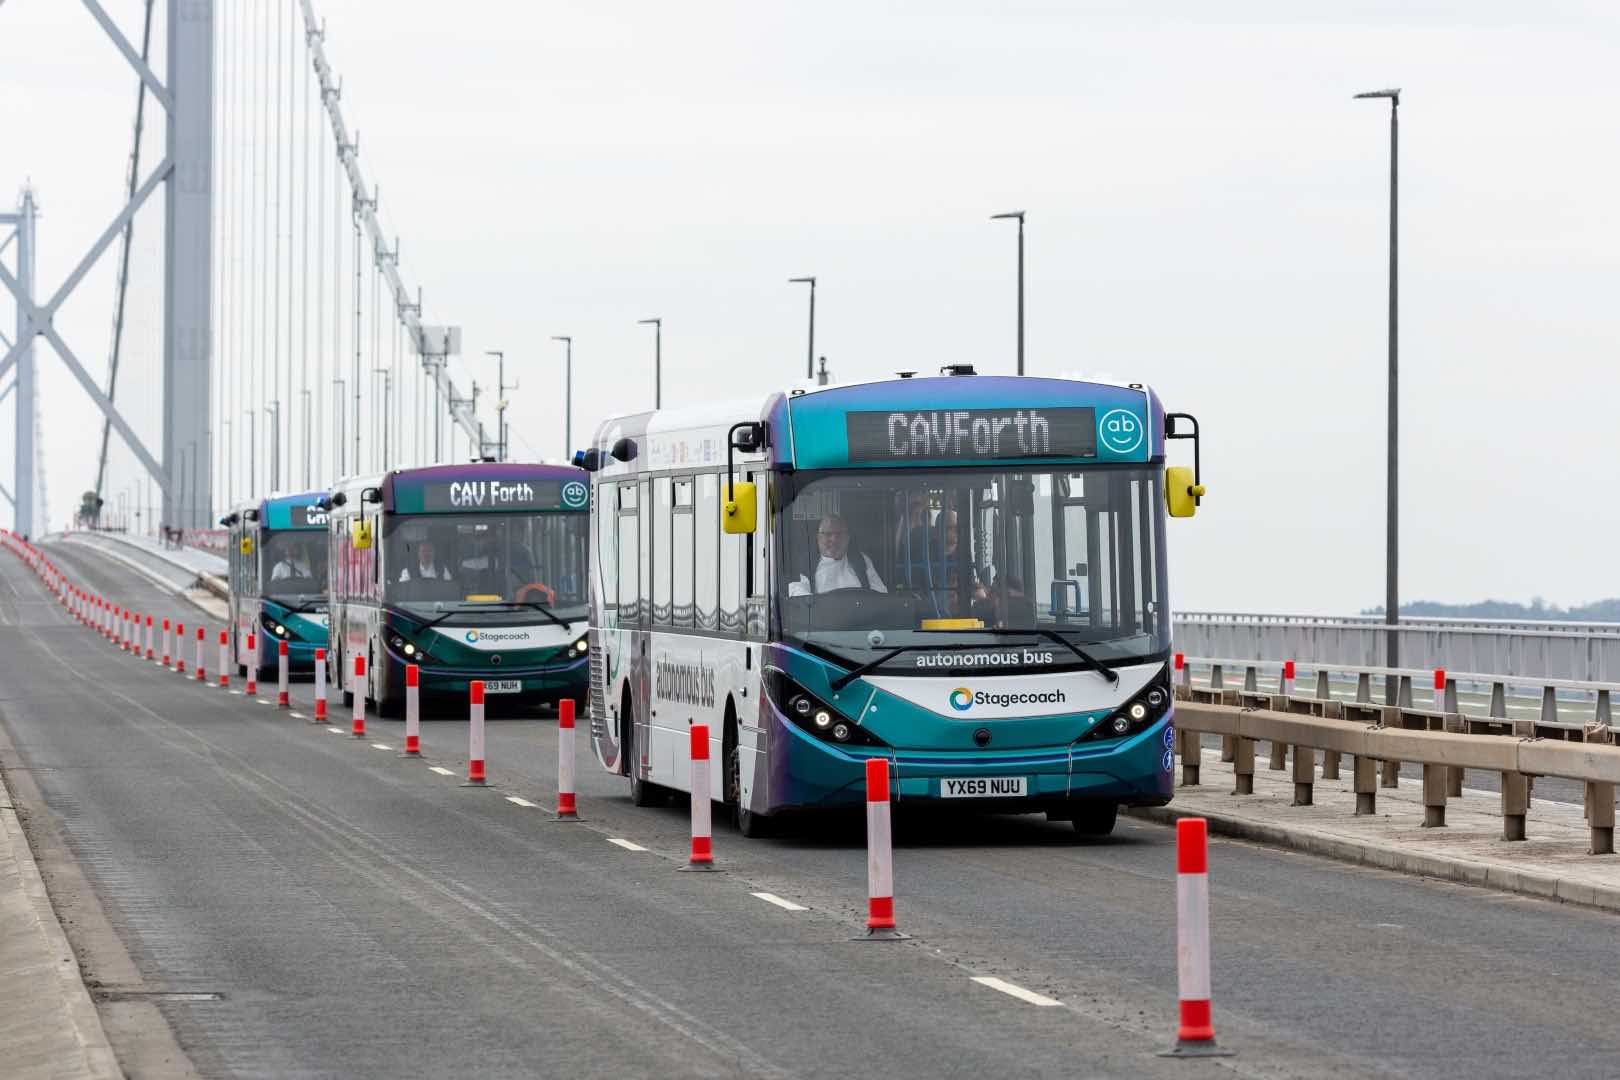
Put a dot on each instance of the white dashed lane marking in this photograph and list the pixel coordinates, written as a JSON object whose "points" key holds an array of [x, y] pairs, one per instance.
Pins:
{"points": [[520, 802], [1015, 990], [627, 845], [772, 898], [441, 772], [335, 730], [381, 746]]}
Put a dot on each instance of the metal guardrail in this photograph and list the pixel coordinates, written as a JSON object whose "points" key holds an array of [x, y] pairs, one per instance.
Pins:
{"points": [[1570, 709], [1420, 621], [1443, 754], [1588, 652]]}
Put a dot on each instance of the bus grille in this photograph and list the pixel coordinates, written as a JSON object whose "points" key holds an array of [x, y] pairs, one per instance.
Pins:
{"points": [[598, 703]]}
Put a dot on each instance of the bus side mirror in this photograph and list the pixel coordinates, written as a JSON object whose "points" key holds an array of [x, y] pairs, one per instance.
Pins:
{"points": [[1181, 494], [360, 533], [739, 512], [245, 546]]}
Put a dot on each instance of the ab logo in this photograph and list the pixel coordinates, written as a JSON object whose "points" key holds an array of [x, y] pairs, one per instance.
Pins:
{"points": [[574, 494], [1120, 430]]}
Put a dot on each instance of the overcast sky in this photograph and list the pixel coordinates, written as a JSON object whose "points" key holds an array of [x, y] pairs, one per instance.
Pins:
{"points": [[1207, 213]]}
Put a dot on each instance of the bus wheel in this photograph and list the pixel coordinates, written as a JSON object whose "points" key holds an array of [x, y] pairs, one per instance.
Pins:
{"points": [[1095, 819], [642, 793], [750, 823]]}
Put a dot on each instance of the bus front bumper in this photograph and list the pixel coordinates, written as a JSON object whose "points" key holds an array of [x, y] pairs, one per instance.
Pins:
{"points": [[1137, 771]]}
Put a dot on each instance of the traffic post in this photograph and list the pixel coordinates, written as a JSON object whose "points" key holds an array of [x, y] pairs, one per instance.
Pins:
{"points": [[702, 854], [224, 660], [167, 660], [282, 700], [202, 673], [149, 652], [1195, 1037], [475, 734], [359, 687], [879, 855], [567, 809], [253, 665], [180, 647], [413, 711], [320, 687]]}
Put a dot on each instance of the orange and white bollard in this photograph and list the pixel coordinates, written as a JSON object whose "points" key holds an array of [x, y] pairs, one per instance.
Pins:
{"points": [[320, 686], [1195, 1037], [358, 730], [253, 665], [1288, 678], [149, 652], [567, 808], [202, 672], [879, 855], [702, 855], [166, 629], [413, 710], [180, 647], [282, 700], [224, 660], [475, 734]]}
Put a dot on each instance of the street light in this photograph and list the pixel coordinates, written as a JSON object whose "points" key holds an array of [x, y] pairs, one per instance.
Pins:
{"points": [[810, 353], [658, 360], [500, 398], [1391, 514], [1019, 214], [568, 395]]}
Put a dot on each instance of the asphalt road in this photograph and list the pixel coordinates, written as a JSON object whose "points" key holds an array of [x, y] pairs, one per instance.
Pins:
{"points": [[362, 915]]}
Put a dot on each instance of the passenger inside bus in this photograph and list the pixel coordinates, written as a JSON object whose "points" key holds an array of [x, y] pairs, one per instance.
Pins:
{"points": [[423, 572]]}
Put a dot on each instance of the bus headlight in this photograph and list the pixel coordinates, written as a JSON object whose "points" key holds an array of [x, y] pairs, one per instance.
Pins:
{"points": [[408, 649], [809, 713], [580, 647], [1136, 715]]}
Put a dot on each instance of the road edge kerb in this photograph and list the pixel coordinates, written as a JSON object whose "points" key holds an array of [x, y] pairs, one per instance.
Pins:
{"points": [[1393, 857], [78, 1009], [209, 583]]}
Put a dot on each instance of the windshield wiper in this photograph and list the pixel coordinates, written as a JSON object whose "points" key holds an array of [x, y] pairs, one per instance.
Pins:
{"points": [[566, 624], [1091, 662], [870, 666]]}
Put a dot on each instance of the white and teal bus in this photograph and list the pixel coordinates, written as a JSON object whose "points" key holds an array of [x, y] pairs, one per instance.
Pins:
{"points": [[277, 577], [965, 575]]}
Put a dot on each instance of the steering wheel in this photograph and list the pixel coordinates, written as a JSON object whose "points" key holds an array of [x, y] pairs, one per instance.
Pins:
{"points": [[535, 586]]}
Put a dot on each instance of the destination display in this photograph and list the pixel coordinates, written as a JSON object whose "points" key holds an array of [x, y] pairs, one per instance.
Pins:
{"points": [[978, 434], [307, 517], [463, 495]]}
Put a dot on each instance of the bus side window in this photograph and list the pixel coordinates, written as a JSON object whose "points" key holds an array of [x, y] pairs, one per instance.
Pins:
{"points": [[733, 555], [607, 541], [662, 510], [759, 543], [644, 552], [706, 566]]}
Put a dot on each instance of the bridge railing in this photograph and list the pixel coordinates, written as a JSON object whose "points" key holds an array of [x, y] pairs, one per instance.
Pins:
{"points": [[1587, 652], [1475, 702]]}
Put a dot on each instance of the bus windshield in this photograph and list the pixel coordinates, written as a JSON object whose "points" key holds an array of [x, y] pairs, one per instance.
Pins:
{"points": [[876, 560], [295, 568], [486, 566]]}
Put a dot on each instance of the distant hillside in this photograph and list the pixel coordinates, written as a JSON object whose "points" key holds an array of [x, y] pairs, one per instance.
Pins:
{"points": [[1597, 611]]}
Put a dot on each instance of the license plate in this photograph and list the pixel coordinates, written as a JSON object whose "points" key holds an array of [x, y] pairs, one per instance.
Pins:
{"points": [[503, 686], [983, 787]]}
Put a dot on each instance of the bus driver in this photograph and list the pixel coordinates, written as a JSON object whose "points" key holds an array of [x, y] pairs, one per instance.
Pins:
{"points": [[836, 569]]}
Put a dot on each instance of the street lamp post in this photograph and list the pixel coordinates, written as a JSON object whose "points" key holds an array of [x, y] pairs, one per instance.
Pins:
{"points": [[658, 360], [1019, 214], [500, 399], [1391, 514], [568, 394], [809, 353]]}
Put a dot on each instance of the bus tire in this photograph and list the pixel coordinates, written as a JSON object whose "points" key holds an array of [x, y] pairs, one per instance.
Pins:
{"points": [[750, 823], [1095, 819], [642, 793]]}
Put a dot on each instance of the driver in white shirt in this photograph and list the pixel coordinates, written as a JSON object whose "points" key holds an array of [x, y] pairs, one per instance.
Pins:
{"points": [[834, 570]]}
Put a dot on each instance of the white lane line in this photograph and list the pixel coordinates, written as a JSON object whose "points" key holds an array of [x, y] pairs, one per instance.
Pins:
{"points": [[262, 701], [381, 746], [1015, 990], [441, 772], [521, 802], [627, 845], [772, 898], [337, 731], [236, 693], [296, 715]]}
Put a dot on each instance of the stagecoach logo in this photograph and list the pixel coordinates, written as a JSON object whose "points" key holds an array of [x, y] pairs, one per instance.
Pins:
{"points": [[962, 699], [574, 494], [1120, 431], [521, 636], [472, 637], [689, 684]]}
